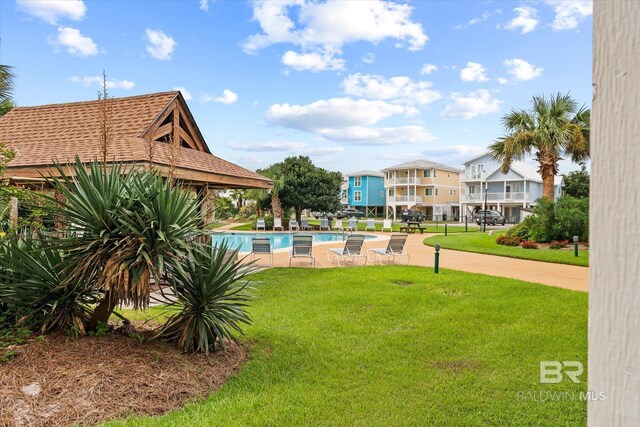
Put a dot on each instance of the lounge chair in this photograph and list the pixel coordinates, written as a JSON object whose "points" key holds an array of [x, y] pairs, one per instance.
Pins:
{"points": [[324, 224], [395, 248], [261, 246], [293, 225], [302, 247], [353, 224], [387, 224], [260, 224], [370, 224], [337, 225], [352, 250], [304, 224], [277, 223]]}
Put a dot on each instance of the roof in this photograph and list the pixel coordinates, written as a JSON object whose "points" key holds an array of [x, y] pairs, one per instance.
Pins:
{"points": [[475, 157], [46, 133], [423, 164], [366, 172]]}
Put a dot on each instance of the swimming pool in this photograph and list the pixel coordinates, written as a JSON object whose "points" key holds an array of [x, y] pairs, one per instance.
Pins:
{"points": [[278, 240]]}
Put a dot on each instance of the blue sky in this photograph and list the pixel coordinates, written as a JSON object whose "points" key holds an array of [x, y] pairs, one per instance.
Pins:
{"points": [[353, 84]]}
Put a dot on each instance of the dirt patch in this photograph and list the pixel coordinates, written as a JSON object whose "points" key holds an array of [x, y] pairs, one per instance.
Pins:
{"points": [[65, 381]]}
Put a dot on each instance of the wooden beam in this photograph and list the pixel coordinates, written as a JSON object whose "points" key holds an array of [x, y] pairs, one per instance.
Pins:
{"points": [[200, 144]]}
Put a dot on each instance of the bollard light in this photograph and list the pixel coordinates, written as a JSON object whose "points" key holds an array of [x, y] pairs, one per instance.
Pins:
{"points": [[575, 245], [445, 229], [436, 267]]}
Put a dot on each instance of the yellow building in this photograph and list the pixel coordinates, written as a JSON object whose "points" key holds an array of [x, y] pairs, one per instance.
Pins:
{"points": [[430, 187]]}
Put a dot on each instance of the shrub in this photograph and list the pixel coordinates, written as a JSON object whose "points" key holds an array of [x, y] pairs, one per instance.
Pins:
{"points": [[508, 241], [210, 296], [268, 222], [522, 230], [528, 244], [571, 218], [558, 244]]}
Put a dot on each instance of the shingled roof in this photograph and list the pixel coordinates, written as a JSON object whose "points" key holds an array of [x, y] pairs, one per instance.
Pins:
{"points": [[58, 132]]}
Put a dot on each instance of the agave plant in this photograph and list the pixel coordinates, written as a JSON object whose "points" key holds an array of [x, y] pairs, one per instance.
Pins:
{"points": [[124, 228], [33, 282], [211, 295]]}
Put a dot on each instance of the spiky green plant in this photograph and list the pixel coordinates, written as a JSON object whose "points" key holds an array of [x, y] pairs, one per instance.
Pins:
{"points": [[33, 283], [211, 295], [123, 228]]}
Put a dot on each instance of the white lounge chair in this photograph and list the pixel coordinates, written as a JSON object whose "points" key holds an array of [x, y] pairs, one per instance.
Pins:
{"points": [[261, 246], [293, 225], [324, 224], [353, 224], [352, 250], [337, 225], [260, 224], [387, 224], [395, 248], [305, 224], [277, 223], [371, 223], [302, 247]]}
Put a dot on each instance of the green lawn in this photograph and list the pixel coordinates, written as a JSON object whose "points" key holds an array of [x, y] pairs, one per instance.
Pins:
{"points": [[485, 244], [430, 227], [398, 346]]}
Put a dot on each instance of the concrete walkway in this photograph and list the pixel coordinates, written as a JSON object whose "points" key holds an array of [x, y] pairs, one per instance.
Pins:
{"points": [[560, 275]]}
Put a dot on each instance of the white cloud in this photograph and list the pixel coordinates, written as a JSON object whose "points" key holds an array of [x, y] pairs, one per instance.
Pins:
{"points": [[358, 135], [526, 20], [227, 97], [503, 81], [570, 13], [185, 93], [522, 70], [428, 69], [321, 151], [74, 42], [485, 15], [97, 80], [249, 159], [52, 10], [267, 146], [204, 4], [368, 58], [159, 45], [398, 89], [312, 61], [472, 105], [325, 27], [334, 113], [473, 72], [458, 152]]}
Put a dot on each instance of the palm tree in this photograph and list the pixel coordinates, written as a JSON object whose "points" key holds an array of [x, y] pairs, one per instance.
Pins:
{"points": [[238, 195], [6, 89], [554, 127], [276, 206]]}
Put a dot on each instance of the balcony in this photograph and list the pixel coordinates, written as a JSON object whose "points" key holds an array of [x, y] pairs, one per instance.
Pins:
{"points": [[404, 181], [495, 197], [468, 176], [405, 199]]}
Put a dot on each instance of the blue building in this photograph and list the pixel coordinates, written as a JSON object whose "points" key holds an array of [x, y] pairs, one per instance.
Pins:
{"points": [[364, 190]]}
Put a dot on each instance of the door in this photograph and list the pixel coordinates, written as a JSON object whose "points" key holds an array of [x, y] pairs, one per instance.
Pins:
{"points": [[507, 190]]}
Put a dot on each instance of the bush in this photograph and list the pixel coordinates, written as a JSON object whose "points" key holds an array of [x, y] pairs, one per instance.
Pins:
{"points": [[522, 230], [268, 221], [558, 244], [508, 241], [571, 218], [528, 244], [211, 297]]}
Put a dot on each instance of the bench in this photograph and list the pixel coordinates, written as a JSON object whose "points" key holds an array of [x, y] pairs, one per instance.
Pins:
{"points": [[412, 227]]}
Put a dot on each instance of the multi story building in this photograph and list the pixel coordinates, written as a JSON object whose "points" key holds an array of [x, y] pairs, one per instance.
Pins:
{"points": [[364, 190], [508, 193], [430, 187]]}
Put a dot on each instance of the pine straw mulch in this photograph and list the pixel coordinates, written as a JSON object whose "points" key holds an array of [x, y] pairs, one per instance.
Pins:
{"points": [[89, 380]]}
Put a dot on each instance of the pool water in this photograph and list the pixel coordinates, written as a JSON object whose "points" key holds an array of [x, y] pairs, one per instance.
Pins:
{"points": [[278, 240]]}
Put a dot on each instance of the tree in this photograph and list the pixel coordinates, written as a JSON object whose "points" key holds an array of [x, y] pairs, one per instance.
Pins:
{"points": [[238, 195], [576, 184], [274, 172], [552, 128], [6, 89]]}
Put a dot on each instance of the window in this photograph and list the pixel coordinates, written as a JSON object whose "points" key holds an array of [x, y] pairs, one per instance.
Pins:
{"points": [[434, 173], [427, 173], [452, 192], [428, 191], [357, 181], [391, 192], [436, 191], [357, 196], [344, 194], [472, 189]]}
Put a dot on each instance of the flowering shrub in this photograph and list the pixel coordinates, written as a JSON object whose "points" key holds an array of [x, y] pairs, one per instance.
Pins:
{"points": [[528, 244], [558, 244], [508, 240]]}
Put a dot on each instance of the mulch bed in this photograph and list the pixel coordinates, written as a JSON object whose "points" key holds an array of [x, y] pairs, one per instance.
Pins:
{"points": [[58, 380]]}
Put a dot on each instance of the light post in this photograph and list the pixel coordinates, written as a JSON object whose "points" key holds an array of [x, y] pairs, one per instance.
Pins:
{"points": [[436, 264], [575, 245]]}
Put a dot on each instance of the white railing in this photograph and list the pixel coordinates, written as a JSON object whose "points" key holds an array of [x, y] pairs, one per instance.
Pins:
{"points": [[402, 181], [493, 197], [406, 199], [468, 176]]}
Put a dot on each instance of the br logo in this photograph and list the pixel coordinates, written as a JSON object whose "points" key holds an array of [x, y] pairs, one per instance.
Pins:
{"points": [[552, 371]]}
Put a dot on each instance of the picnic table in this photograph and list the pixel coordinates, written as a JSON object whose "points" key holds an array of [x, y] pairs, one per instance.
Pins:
{"points": [[412, 227]]}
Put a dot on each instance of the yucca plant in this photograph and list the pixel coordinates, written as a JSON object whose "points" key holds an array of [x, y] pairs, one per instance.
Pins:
{"points": [[211, 294], [123, 227], [33, 282]]}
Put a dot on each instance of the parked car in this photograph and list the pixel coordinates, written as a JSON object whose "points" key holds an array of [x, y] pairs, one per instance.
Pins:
{"points": [[493, 218], [413, 215], [350, 213]]}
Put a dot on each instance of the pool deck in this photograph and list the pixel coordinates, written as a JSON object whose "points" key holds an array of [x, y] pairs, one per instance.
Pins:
{"points": [[560, 275]]}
